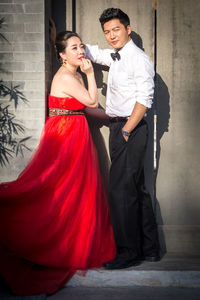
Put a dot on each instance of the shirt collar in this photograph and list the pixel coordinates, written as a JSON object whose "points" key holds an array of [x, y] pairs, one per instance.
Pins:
{"points": [[126, 47]]}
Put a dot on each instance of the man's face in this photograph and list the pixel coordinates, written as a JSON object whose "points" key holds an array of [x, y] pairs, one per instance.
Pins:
{"points": [[116, 34]]}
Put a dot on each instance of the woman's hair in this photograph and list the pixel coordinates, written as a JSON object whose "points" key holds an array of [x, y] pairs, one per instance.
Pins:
{"points": [[61, 41], [114, 13]]}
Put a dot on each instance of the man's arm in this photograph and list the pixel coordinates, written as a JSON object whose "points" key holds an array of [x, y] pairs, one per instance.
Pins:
{"points": [[97, 55], [96, 112], [144, 78], [136, 116]]}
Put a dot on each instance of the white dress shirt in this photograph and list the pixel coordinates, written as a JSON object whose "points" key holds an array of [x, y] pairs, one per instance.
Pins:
{"points": [[130, 79]]}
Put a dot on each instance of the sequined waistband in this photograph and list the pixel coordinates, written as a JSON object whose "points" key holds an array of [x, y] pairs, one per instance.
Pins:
{"points": [[60, 112]]}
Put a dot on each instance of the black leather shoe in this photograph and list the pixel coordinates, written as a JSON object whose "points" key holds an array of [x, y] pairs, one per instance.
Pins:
{"points": [[152, 258], [121, 263]]}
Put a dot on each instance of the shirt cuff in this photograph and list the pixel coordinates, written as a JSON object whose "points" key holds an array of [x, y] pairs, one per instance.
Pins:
{"points": [[146, 102]]}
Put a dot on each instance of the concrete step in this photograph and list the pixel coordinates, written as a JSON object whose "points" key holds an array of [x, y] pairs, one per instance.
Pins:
{"points": [[173, 270]]}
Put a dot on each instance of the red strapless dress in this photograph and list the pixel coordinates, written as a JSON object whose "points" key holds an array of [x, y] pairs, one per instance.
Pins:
{"points": [[54, 218]]}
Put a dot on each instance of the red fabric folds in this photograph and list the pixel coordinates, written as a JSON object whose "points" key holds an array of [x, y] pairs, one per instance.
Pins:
{"points": [[54, 218]]}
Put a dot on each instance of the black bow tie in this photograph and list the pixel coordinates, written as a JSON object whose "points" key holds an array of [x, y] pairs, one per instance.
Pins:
{"points": [[115, 55]]}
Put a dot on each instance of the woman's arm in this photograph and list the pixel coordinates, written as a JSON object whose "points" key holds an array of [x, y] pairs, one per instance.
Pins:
{"points": [[87, 68], [65, 84]]}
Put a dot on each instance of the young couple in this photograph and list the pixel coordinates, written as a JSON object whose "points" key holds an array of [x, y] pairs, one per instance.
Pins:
{"points": [[54, 219]]}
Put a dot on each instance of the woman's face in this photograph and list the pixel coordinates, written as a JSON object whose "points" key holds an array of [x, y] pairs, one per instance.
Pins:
{"points": [[74, 51]]}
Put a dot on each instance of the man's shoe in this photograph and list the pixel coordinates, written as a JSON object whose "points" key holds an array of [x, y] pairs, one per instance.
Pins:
{"points": [[152, 258], [121, 263]]}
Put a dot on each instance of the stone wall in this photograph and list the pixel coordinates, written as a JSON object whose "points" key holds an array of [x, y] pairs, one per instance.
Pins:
{"points": [[22, 62], [178, 65]]}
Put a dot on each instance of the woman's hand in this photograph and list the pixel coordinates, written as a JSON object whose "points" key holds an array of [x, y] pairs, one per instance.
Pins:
{"points": [[86, 66]]}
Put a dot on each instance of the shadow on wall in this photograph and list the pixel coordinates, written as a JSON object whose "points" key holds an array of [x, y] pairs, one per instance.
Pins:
{"points": [[98, 139], [163, 115], [95, 125], [162, 109]]}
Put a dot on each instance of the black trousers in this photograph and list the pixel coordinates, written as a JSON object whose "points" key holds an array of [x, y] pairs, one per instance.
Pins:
{"points": [[132, 215]]}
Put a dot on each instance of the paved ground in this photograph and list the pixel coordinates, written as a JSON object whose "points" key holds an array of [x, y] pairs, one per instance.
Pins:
{"points": [[173, 270], [135, 293], [98, 280]]}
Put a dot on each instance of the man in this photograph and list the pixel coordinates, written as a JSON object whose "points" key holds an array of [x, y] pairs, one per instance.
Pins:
{"points": [[129, 94]]}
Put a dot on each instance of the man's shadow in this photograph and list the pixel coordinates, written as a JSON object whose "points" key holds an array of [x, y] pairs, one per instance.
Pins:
{"points": [[163, 115], [158, 116], [96, 124]]}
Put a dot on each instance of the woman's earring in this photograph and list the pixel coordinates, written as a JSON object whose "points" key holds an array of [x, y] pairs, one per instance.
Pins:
{"points": [[64, 62]]}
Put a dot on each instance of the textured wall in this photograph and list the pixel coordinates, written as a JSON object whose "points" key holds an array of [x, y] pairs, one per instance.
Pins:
{"points": [[178, 65], [22, 62]]}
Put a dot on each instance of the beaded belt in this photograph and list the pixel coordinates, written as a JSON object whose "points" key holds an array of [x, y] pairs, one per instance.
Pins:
{"points": [[60, 112]]}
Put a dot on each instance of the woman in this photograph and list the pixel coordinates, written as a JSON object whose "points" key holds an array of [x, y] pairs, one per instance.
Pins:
{"points": [[54, 218]]}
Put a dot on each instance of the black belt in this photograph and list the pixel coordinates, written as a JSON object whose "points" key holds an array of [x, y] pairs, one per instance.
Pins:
{"points": [[118, 119]]}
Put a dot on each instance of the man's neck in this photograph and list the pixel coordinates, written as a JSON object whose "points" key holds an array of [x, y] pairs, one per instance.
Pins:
{"points": [[118, 49]]}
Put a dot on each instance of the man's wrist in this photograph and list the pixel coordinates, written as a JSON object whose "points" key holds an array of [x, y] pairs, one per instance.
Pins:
{"points": [[125, 133]]}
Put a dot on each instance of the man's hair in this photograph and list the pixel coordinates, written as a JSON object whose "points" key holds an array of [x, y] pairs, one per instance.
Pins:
{"points": [[114, 13]]}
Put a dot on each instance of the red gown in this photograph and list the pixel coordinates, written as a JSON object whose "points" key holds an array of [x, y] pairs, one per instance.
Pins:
{"points": [[54, 218]]}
